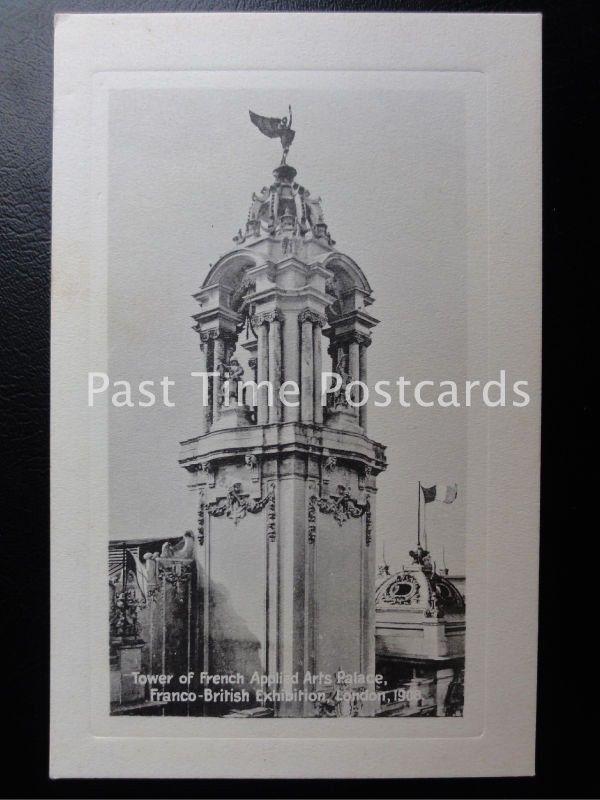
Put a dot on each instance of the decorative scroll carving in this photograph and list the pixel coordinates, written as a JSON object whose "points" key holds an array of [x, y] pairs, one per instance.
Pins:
{"points": [[342, 507], [256, 320], [308, 315], [251, 461], [207, 335], [271, 514], [201, 524], [176, 573], [433, 593], [343, 339], [368, 523], [266, 317], [236, 505], [404, 590], [360, 338], [273, 316]]}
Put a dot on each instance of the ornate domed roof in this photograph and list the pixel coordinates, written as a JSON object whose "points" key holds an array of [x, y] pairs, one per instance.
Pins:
{"points": [[419, 587], [285, 208]]}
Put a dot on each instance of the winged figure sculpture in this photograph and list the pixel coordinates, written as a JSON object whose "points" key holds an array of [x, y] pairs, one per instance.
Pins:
{"points": [[276, 128]]}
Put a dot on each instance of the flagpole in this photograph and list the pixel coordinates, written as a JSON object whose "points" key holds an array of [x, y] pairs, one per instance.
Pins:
{"points": [[124, 566], [419, 516]]}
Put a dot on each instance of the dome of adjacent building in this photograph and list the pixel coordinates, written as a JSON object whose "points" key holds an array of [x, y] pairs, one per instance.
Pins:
{"points": [[418, 587]]}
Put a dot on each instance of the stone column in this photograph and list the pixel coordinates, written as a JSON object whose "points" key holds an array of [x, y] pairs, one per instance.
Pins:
{"points": [[362, 359], [291, 364], [262, 373], [306, 366], [354, 368], [203, 367], [275, 365], [317, 368], [218, 358]]}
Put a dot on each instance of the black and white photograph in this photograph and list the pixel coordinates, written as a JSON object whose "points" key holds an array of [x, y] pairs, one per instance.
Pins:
{"points": [[316, 564], [296, 395]]}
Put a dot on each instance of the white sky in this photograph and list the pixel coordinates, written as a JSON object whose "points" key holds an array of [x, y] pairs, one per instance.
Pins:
{"points": [[390, 168]]}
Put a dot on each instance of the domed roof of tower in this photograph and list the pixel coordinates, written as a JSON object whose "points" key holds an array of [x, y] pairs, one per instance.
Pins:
{"points": [[286, 223], [285, 208], [419, 587]]}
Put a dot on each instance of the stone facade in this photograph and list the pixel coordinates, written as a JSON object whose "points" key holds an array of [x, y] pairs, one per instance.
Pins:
{"points": [[420, 639], [278, 577], [284, 546]]}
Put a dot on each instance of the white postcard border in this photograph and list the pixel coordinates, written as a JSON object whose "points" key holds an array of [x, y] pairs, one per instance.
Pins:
{"points": [[505, 48]]}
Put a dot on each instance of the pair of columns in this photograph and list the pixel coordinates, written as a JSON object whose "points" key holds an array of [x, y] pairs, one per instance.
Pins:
{"points": [[357, 344], [214, 348], [311, 365], [277, 338], [267, 327], [281, 357]]}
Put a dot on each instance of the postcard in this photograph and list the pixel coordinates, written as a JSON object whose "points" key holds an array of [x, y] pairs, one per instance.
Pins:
{"points": [[295, 395]]}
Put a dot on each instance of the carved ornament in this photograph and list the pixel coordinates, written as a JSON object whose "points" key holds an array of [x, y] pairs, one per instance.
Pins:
{"points": [[342, 507], [236, 505], [308, 315]]}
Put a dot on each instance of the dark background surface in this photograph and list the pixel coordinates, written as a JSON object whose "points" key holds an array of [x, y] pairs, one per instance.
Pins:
{"points": [[569, 696]]}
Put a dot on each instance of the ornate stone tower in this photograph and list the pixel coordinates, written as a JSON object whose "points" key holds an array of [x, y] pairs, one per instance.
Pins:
{"points": [[286, 489]]}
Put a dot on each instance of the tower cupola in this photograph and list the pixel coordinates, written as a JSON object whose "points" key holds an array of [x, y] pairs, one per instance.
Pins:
{"points": [[285, 208], [285, 472]]}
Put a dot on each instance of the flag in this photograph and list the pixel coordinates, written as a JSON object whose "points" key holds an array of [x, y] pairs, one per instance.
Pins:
{"points": [[429, 494], [133, 566], [443, 493]]}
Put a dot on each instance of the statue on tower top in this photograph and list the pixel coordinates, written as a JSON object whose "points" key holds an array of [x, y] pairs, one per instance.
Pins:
{"points": [[276, 128]]}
